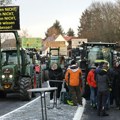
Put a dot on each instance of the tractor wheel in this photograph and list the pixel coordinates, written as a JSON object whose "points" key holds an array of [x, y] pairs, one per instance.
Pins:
{"points": [[2, 94], [25, 84]]}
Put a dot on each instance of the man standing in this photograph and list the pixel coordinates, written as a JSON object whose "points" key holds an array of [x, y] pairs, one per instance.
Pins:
{"points": [[117, 85], [74, 82], [102, 81]]}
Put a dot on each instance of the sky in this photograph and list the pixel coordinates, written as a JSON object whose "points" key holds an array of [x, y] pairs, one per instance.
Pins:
{"points": [[36, 16]]}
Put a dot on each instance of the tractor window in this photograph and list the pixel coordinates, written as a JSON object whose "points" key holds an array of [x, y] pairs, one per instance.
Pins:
{"points": [[54, 59], [9, 57], [99, 53]]}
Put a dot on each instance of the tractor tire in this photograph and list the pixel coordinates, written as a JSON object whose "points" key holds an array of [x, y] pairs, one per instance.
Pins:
{"points": [[25, 84], [3, 94]]}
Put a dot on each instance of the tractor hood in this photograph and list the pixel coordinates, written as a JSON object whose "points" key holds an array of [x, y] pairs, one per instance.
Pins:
{"points": [[9, 69]]}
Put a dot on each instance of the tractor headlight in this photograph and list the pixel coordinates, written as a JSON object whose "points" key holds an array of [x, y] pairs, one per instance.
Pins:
{"points": [[3, 76], [10, 76]]}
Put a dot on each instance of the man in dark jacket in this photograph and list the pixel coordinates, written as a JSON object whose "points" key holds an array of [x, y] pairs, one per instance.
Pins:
{"points": [[102, 81]]}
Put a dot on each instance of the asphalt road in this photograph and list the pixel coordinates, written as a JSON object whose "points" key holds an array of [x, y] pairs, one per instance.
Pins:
{"points": [[91, 114], [12, 102]]}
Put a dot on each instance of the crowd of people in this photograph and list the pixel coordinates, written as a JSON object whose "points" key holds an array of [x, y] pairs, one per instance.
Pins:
{"points": [[72, 78], [104, 84]]}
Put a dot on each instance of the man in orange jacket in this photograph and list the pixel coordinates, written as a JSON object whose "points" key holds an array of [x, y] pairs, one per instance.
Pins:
{"points": [[92, 84], [74, 82]]}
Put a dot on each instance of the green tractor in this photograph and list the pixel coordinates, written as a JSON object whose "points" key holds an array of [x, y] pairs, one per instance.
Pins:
{"points": [[16, 70], [49, 60], [94, 53]]}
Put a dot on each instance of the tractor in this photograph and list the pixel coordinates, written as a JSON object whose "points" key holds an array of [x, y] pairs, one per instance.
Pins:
{"points": [[16, 70], [94, 53], [52, 56]]}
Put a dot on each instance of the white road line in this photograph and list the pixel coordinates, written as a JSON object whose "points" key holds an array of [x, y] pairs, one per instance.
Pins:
{"points": [[77, 115], [1, 117], [79, 111]]}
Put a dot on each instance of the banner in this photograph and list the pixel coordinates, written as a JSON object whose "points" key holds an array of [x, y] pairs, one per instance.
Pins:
{"points": [[31, 43], [54, 43], [9, 18]]}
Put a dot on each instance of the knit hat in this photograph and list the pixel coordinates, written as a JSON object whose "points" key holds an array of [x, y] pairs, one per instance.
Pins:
{"points": [[93, 67], [73, 62]]}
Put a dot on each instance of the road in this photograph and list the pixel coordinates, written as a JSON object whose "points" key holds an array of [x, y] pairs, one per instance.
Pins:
{"points": [[91, 114], [12, 102]]}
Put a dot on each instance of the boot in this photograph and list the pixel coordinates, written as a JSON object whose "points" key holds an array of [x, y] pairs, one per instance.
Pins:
{"points": [[104, 113], [98, 113]]}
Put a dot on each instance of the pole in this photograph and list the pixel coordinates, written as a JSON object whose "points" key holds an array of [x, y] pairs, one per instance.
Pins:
{"points": [[0, 60]]}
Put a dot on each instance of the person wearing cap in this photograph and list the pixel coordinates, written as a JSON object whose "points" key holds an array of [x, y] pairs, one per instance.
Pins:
{"points": [[74, 82], [92, 84]]}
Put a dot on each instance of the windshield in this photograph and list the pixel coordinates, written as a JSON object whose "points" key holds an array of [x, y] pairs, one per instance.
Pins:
{"points": [[54, 59], [9, 57], [99, 53]]}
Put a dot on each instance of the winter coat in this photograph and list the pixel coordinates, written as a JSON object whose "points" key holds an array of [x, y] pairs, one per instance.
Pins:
{"points": [[102, 80], [73, 76], [91, 78], [117, 75], [56, 74]]}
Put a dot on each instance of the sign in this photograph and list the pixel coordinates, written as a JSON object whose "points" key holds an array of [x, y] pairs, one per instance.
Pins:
{"points": [[63, 51], [9, 18], [77, 42], [54, 43], [31, 43]]}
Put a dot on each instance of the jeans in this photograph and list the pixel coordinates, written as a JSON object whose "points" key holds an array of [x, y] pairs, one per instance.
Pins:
{"points": [[108, 100], [93, 95]]}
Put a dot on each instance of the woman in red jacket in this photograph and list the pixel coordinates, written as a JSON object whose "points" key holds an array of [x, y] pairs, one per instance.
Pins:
{"points": [[92, 84]]}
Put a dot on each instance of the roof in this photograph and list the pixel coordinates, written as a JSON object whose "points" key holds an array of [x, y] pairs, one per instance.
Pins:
{"points": [[9, 43], [99, 43]]}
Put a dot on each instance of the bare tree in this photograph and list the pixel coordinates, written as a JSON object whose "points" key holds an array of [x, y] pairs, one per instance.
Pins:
{"points": [[98, 22], [24, 33]]}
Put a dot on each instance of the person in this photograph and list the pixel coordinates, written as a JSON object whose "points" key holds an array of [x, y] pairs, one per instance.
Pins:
{"points": [[55, 74], [92, 84], [117, 85], [37, 73], [74, 82], [102, 81], [62, 62]]}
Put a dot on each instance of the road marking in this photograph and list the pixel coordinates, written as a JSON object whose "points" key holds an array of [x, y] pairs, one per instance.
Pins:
{"points": [[79, 111], [77, 115], [4, 116]]}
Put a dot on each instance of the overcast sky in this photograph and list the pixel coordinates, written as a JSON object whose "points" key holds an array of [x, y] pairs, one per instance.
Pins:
{"points": [[36, 16]]}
